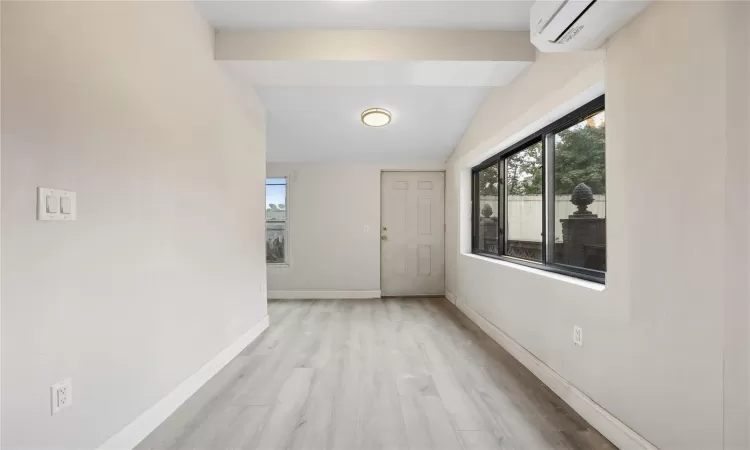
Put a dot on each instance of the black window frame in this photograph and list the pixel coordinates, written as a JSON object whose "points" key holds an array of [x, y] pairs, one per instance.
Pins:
{"points": [[579, 115]]}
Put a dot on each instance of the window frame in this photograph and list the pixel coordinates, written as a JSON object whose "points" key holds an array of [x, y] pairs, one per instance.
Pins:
{"points": [[544, 135], [287, 256]]}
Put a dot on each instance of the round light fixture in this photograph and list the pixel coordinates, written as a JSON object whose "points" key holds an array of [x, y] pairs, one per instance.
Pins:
{"points": [[376, 117]]}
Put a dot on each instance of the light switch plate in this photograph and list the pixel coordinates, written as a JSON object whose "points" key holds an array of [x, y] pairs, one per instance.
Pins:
{"points": [[67, 197]]}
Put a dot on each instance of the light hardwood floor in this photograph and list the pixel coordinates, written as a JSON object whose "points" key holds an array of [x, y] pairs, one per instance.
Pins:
{"points": [[365, 374]]}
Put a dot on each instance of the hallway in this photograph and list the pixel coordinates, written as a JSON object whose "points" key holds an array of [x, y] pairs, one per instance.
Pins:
{"points": [[383, 373]]}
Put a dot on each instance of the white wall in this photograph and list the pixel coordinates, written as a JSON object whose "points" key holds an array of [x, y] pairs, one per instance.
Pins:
{"points": [[509, 114], [654, 351], [121, 102], [737, 305], [329, 206]]}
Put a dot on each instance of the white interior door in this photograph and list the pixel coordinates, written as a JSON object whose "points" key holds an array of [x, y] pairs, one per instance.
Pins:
{"points": [[412, 229]]}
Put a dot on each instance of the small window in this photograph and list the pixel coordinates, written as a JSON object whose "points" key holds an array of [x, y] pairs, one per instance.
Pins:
{"points": [[276, 221], [542, 201]]}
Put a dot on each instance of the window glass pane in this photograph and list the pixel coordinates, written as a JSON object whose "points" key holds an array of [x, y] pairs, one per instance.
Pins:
{"points": [[580, 195], [525, 205], [487, 239], [276, 220]]}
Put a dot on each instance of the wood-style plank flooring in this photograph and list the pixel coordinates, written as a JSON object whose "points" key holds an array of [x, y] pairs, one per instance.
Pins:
{"points": [[373, 374]]}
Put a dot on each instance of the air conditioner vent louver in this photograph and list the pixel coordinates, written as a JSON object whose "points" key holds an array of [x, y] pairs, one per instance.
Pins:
{"points": [[573, 25]]}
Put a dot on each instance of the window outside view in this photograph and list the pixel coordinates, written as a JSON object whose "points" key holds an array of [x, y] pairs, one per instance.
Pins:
{"points": [[575, 219], [524, 179], [580, 195], [488, 212], [276, 220]]}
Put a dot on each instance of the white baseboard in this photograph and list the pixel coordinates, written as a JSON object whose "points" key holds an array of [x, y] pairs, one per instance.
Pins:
{"points": [[136, 431], [450, 296], [608, 425], [292, 295]]}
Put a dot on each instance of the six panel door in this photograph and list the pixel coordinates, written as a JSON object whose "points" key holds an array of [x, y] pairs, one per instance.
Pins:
{"points": [[412, 233]]}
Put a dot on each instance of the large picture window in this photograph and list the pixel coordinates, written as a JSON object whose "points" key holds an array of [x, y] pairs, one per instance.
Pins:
{"points": [[276, 221], [542, 201]]}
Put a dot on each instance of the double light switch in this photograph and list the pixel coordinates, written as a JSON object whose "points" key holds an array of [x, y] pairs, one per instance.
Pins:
{"points": [[56, 204]]}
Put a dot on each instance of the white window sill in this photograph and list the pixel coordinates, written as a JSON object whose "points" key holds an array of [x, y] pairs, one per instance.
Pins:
{"points": [[555, 276]]}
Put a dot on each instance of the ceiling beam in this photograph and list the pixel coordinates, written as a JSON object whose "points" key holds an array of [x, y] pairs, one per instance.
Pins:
{"points": [[373, 45]]}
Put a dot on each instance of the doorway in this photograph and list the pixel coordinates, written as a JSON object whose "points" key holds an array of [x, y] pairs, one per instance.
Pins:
{"points": [[412, 233]]}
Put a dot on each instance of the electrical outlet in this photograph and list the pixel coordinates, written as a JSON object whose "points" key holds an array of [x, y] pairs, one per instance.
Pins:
{"points": [[61, 395], [577, 335]]}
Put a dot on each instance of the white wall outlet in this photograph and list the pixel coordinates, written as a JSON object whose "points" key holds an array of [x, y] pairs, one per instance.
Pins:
{"points": [[367, 228], [61, 395], [56, 204], [577, 335]]}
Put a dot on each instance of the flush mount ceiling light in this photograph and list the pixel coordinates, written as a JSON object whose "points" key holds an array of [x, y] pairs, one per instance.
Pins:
{"points": [[376, 117]]}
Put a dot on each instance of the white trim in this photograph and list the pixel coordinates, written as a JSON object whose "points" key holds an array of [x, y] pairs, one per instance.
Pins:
{"points": [[608, 425], [450, 296], [143, 425], [322, 294]]}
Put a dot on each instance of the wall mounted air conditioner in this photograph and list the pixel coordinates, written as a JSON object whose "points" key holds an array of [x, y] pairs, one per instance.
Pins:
{"points": [[572, 25]]}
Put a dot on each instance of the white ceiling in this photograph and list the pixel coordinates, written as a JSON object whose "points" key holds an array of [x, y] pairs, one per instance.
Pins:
{"points": [[319, 124], [506, 15], [314, 106]]}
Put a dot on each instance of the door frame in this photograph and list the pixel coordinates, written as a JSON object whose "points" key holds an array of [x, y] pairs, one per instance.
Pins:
{"points": [[380, 224]]}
